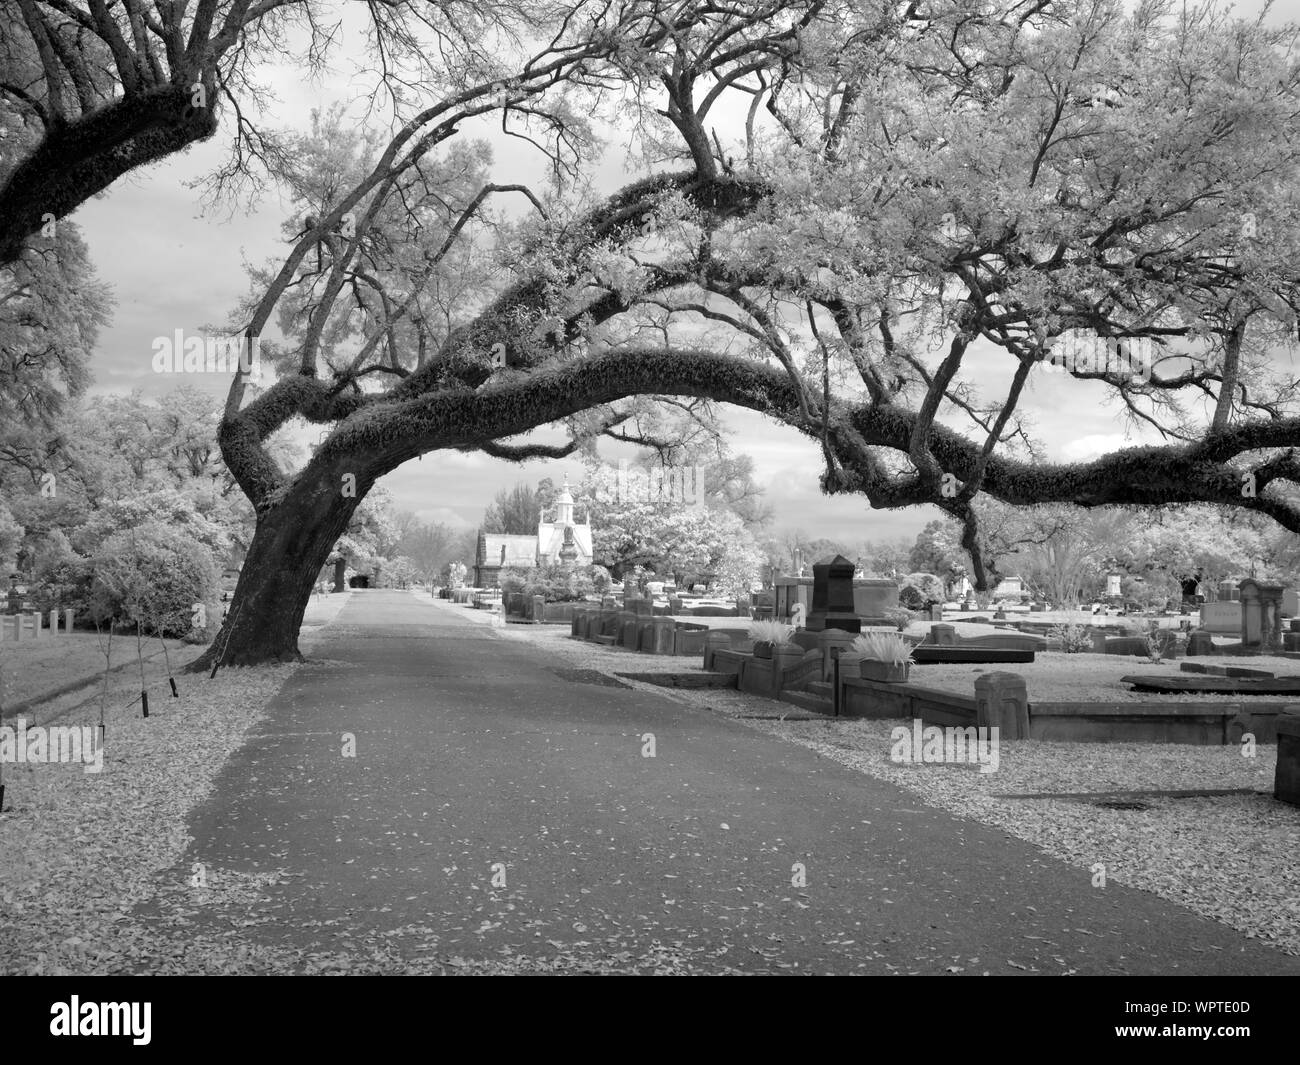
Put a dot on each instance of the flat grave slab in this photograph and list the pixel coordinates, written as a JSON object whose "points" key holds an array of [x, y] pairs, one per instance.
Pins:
{"points": [[930, 654], [1214, 685], [1224, 671]]}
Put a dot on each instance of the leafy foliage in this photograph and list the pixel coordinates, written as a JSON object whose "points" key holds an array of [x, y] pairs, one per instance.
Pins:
{"points": [[902, 617], [1075, 639], [918, 590], [154, 575]]}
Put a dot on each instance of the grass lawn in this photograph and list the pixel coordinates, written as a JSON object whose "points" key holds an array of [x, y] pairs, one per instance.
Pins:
{"points": [[32, 667]]}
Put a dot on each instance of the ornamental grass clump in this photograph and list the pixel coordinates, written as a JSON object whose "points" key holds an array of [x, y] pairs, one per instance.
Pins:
{"points": [[772, 632], [883, 647]]}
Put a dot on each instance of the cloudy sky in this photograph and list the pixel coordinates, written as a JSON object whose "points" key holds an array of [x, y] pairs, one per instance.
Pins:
{"points": [[172, 267]]}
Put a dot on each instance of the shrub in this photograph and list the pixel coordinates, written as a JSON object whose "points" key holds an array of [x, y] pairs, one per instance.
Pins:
{"points": [[560, 584], [1075, 639], [513, 580], [918, 590], [773, 632], [901, 617], [155, 575], [600, 579], [883, 647], [60, 577]]}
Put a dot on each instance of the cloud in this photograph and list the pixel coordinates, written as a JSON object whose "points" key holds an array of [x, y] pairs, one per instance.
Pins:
{"points": [[1085, 448]]}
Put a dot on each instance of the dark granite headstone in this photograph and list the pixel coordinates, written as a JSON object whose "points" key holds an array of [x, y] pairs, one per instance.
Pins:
{"points": [[832, 606]]}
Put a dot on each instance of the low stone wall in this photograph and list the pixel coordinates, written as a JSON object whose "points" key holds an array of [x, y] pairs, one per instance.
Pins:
{"points": [[1019, 716], [1167, 642], [948, 636], [552, 613], [1205, 723], [789, 671], [648, 633], [876, 699], [729, 653]]}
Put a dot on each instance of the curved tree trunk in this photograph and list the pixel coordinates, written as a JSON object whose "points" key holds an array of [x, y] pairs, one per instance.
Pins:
{"points": [[291, 544]]}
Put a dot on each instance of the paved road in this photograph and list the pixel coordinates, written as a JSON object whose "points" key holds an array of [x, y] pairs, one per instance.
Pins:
{"points": [[473, 752]]}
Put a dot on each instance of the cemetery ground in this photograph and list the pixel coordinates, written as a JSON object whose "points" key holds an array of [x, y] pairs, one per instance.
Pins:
{"points": [[1230, 856], [79, 850], [32, 669], [500, 817]]}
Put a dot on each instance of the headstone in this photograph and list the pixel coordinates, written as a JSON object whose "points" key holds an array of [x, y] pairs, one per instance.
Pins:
{"points": [[1223, 617], [1286, 779], [663, 636], [1002, 701], [872, 596], [791, 590], [1199, 643], [1290, 603], [832, 606], [1261, 615]]}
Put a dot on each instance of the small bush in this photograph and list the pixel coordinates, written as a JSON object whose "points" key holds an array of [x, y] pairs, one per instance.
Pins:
{"points": [[900, 617], [513, 580], [1075, 639], [918, 590]]}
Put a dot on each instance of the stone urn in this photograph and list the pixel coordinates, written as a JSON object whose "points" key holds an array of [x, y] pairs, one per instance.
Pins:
{"points": [[887, 672]]}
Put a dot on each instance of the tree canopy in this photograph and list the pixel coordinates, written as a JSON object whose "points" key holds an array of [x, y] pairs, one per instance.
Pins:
{"points": [[880, 223]]}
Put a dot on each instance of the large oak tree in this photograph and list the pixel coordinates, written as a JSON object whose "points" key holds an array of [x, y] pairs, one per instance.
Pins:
{"points": [[858, 214]]}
